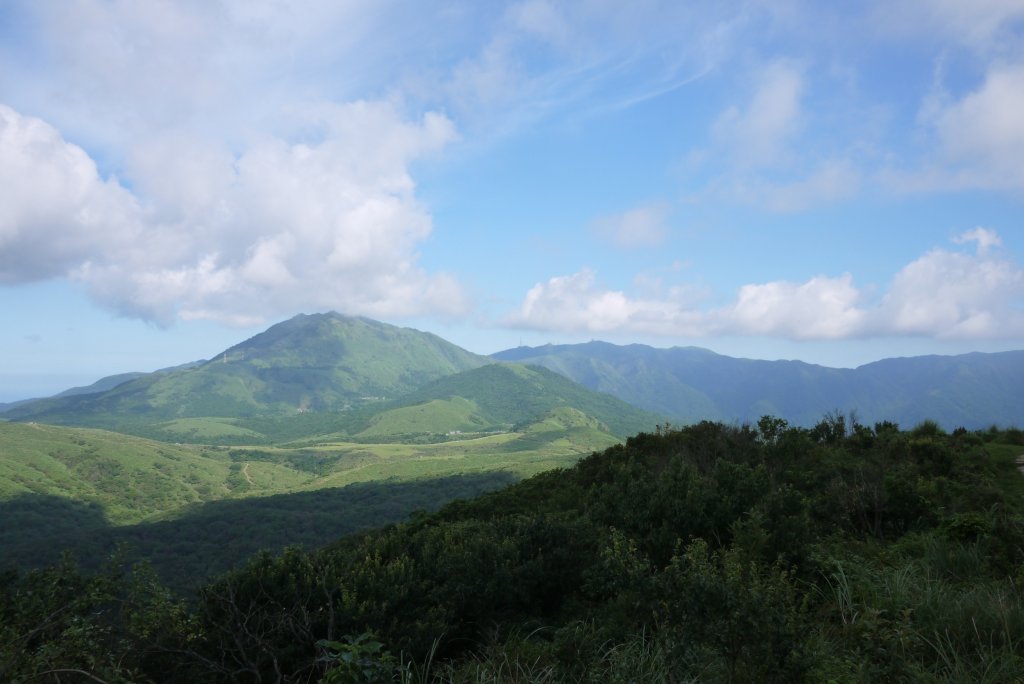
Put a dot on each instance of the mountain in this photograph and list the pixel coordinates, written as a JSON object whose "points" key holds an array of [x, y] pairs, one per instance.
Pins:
{"points": [[505, 397], [101, 385], [689, 384], [319, 362]]}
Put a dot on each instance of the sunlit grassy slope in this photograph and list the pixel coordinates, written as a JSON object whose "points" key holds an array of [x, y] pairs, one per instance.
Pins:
{"points": [[134, 479], [195, 510]]}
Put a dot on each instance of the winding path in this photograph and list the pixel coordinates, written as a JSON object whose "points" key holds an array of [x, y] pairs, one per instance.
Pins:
{"points": [[248, 478]]}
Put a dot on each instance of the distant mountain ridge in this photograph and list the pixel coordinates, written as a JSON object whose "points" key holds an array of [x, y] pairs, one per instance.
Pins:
{"points": [[690, 383]]}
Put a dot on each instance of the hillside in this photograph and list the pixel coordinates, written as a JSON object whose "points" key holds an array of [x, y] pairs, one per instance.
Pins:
{"points": [[193, 510], [127, 479], [691, 384], [505, 397], [710, 553], [319, 362]]}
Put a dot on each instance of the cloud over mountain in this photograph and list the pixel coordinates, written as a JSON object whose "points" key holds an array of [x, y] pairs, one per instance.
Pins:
{"points": [[943, 293]]}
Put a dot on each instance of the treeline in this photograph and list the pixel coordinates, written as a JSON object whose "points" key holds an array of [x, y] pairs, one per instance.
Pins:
{"points": [[839, 553]]}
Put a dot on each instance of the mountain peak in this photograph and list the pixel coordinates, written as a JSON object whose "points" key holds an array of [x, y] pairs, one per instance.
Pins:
{"points": [[320, 361]]}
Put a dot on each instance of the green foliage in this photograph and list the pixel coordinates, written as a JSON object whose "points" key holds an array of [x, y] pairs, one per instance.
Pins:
{"points": [[707, 553], [357, 660]]}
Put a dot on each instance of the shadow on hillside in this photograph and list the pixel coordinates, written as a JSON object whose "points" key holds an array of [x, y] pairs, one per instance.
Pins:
{"points": [[214, 537]]}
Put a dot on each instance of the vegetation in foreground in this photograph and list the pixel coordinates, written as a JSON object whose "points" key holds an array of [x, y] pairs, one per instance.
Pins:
{"points": [[710, 553]]}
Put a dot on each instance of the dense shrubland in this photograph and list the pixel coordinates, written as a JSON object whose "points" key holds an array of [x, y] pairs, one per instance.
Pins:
{"points": [[708, 553]]}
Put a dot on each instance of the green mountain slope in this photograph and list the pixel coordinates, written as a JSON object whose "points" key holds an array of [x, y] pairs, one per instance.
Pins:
{"points": [[691, 384], [319, 362], [129, 478], [504, 397]]}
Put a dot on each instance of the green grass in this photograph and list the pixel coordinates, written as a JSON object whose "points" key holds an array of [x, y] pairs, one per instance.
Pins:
{"points": [[438, 416], [132, 479], [195, 510], [200, 429]]}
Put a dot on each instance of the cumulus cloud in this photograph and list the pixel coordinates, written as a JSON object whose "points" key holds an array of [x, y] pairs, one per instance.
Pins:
{"points": [[821, 308], [958, 295], [640, 227], [944, 293], [285, 226], [56, 210], [576, 303]]}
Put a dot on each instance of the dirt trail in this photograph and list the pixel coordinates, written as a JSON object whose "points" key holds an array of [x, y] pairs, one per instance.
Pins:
{"points": [[248, 478]]}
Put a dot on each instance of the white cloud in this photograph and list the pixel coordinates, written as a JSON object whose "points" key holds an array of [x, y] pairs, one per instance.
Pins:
{"points": [[982, 134], [284, 227], [640, 227], [943, 294], [985, 237], [56, 210], [575, 303], [956, 295], [821, 308], [769, 154]]}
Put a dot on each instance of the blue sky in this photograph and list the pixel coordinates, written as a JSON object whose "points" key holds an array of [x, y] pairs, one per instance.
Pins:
{"points": [[833, 182]]}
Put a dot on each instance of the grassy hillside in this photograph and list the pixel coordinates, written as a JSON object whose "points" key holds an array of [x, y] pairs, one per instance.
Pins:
{"points": [[203, 509], [507, 395], [497, 397], [130, 478]]}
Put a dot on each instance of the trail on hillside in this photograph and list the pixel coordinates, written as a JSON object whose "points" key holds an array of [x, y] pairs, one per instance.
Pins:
{"points": [[245, 471]]}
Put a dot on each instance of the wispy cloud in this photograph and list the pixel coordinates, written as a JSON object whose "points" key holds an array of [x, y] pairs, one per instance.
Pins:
{"points": [[644, 226]]}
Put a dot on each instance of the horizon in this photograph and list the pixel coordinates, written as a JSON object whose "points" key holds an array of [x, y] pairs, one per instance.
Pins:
{"points": [[831, 184]]}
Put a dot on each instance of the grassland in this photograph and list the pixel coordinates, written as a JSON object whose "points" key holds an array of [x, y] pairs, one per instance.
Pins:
{"points": [[195, 510], [130, 478], [135, 479]]}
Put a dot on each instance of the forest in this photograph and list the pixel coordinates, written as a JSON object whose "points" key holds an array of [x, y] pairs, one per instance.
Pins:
{"points": [[712, 552]]}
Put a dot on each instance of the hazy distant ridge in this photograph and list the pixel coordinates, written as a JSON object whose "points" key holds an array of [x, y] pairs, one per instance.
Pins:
{"points": [[689, 383]]}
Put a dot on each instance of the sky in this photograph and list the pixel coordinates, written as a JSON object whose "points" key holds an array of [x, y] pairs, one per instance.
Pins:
{"points": [[831, 182]]}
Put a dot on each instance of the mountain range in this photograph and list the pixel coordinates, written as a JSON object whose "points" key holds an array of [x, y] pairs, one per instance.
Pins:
{"points": [[363, 379], [689, 384]]}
